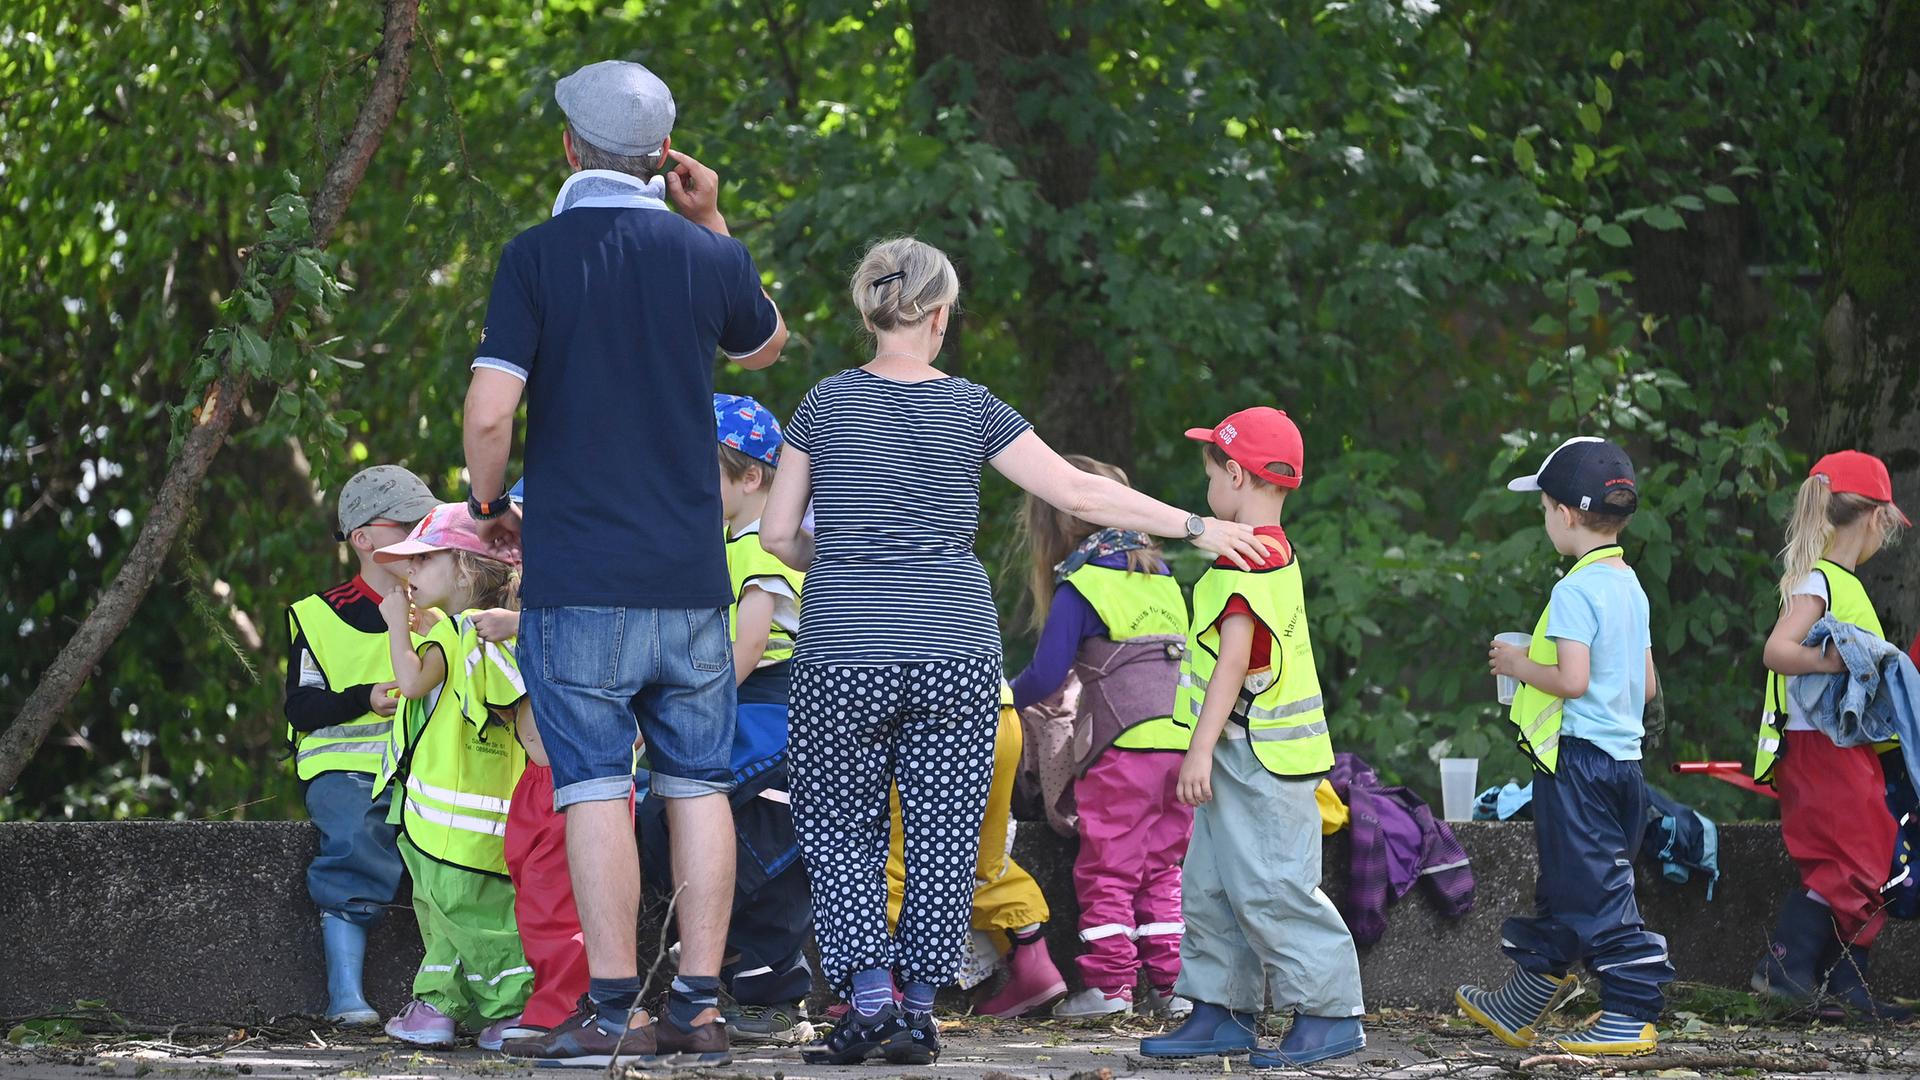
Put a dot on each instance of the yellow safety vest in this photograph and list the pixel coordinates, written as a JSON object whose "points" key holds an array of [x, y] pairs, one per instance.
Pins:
{"points": [[346, 657], [1536, 713], [1282, 715], [1134, 606], [748, 562], [1848, 602], [460, 760]]}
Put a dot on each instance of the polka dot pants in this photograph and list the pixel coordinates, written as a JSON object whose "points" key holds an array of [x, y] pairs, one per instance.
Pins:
{"points": [[857, 729]]}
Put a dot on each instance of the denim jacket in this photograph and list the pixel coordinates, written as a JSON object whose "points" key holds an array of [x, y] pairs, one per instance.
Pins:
{"points": [[1877, 699]]}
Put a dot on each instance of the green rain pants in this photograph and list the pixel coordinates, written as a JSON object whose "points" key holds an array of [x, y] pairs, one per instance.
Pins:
{"points": [[473, 969]]}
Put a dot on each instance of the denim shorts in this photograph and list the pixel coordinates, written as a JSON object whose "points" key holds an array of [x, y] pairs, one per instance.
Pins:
{"points": [[595, 673]]}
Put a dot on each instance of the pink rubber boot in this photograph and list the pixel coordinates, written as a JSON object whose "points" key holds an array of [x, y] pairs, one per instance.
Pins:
{"points": [[1032, 980]]}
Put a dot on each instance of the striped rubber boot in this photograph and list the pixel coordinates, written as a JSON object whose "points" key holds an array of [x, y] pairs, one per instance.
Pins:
{"points": [[1613, 1033], [1512, 1011]]}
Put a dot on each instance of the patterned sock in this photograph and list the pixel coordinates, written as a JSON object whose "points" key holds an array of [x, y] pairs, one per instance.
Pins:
{"points": [[919, 998], [872, 991], [689, 996], [615, 995]]}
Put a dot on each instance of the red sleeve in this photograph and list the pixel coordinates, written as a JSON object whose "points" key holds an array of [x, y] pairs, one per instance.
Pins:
{"points": [[1261, 654]]}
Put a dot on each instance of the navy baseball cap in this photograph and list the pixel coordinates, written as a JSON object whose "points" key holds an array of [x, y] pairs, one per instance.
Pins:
{"points": [[1582, 472]]}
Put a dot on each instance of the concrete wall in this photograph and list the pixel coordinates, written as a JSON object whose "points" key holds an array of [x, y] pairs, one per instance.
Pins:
{"points": [[196, 920]]}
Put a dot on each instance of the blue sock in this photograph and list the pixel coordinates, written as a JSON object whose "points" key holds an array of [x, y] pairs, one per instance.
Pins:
{"points": [[689, 996], [919, 998], [872, 991], [615, 995]]}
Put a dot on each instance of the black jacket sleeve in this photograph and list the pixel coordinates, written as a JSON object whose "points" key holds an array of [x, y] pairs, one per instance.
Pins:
{"points": [[311, 703]]}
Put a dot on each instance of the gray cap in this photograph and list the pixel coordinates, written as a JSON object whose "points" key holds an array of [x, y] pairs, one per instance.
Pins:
{"points": [[384, 491], [618, 106]]}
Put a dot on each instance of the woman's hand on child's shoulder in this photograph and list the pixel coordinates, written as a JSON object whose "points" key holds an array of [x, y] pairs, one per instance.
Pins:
{"points": [[1233, 542]]}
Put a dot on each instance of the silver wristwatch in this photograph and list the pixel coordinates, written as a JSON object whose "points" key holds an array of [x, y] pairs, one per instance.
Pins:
{"points": [[1195, 526]]}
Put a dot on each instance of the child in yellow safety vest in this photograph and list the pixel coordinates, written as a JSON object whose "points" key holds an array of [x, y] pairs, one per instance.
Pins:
{"points": [[339, 709], [1834, 813], [456, 761], [1256, 920], [1108, 609], [1585, 680]]}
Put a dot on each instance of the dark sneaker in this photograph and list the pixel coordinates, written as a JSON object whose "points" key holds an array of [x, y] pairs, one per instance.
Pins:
{"points": [[583, 1040], [705, 1044], [922, 1045], [858, 1038], [764, 1023]]}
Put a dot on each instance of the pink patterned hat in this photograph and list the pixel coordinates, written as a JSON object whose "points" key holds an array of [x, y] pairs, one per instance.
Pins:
{"points": [[447, 527]]}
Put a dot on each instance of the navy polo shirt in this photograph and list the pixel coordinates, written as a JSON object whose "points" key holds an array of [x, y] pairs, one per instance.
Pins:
{"points": [[612, 316]]}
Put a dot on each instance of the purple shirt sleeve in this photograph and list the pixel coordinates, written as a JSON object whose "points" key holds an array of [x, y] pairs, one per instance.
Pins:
{"points": [[1070, 621]]}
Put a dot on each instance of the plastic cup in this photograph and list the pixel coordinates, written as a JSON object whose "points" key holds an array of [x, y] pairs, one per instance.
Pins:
{"points": [[1459, 787], [1505, 686]]}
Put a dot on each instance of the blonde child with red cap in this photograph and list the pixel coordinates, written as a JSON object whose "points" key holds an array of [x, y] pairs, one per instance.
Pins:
{"points": [[1256, 920], [1833, 813], [455, 762]]}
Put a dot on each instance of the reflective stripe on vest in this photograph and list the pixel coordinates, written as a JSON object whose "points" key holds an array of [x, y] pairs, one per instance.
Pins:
{"points": [[346, 657], [1847, 601], [1281, 716], [1536, 713], [747, 562], [461, 761]]}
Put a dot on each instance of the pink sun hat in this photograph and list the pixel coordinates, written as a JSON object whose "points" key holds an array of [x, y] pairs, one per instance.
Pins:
{"points": [[447, 527]]}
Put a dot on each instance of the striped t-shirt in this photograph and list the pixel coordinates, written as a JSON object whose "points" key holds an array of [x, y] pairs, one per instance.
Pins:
{"points": [[896, 504]]}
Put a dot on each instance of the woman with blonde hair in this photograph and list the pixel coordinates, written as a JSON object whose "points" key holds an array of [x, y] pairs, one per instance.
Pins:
{"points": [[897, 674]]}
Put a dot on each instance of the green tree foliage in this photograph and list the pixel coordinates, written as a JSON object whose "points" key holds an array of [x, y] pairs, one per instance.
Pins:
{"points": [[1443, 237]]}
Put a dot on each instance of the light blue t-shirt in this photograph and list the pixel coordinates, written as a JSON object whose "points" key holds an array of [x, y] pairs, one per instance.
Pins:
{"points": [[1604, 608]]}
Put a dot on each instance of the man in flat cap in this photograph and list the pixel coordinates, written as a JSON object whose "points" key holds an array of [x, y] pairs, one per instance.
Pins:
{"points": [[608, 315]]}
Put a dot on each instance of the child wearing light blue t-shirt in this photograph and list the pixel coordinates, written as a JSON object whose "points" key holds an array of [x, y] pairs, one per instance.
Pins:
{"points": [[1585, 681]]}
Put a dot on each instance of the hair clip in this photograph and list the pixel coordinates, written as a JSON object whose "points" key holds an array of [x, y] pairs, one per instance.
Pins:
{"points": [[897, 275]]}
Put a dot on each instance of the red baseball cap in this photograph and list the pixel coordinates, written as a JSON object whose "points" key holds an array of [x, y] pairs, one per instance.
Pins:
{"points": [[1859, 474], [1258, 437]]}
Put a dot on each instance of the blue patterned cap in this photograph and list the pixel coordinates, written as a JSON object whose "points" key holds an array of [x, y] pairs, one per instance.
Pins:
{"points": [[747, 426]]}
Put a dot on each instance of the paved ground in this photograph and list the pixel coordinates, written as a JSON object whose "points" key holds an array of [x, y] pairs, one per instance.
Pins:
{"points": [[1406, 1045]]}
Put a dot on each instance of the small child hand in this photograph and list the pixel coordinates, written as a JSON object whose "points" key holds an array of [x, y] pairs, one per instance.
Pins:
{"points": [[397, 607], [1505, 659], [380, 699], [1195, 786], [497, 625]]}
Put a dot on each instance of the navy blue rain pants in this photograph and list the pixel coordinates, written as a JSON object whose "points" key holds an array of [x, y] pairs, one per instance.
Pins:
{"points": [[1588, 818]]}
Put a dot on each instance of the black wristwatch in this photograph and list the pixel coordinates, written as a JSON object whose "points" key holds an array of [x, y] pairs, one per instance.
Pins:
{"points": [[487, 511], [1195, 526]]}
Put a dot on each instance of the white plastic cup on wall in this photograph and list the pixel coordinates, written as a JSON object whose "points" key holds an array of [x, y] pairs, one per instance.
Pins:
{"points": [[1459, 787], [1505, 686]]}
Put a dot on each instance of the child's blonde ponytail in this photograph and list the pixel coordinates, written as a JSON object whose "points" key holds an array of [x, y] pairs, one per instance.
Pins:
{"points": [[1808, 533], [1817, 514]]}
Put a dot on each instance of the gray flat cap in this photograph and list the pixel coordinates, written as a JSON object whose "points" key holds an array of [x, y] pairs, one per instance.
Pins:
{"points": [[383, 491], [618, 106]]}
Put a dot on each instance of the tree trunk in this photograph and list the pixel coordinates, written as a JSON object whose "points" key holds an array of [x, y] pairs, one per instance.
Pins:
{"points": [[1870, 342], [1008, 50], [181, 485]]}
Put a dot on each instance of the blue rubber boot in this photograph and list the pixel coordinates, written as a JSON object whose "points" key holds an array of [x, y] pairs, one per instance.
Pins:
{"points": [[346, 945], [1210, 1029], [1311, 1039]]}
